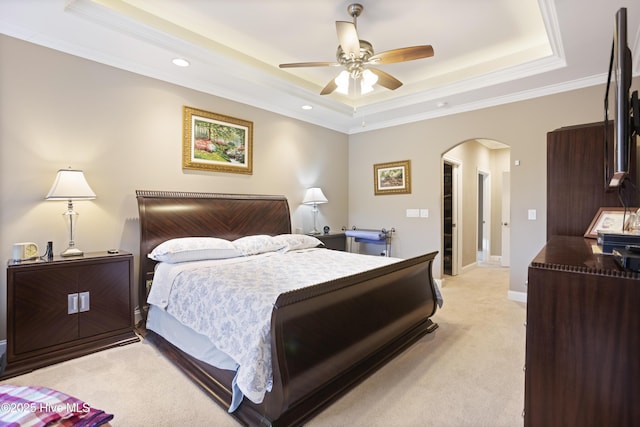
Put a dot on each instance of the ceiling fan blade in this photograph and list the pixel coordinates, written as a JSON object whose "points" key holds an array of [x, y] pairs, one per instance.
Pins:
{"points": [[401, 55], [309, 64], [386, 79], [348, 38], [329, 88]]}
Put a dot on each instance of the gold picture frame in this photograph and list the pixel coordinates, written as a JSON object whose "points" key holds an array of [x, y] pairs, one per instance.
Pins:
{"points": [[613, 220], [392, 178], [214, 142]]}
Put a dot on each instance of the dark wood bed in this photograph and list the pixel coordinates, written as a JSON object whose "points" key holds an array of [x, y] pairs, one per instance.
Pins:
{"points": [[325, 339]]}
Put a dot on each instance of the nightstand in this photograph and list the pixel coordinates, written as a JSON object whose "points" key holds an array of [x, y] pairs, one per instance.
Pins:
{"points": [[63, 308], [335, 241]]}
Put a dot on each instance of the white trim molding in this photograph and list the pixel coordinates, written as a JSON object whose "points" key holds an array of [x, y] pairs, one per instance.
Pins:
{"points": [[517, 296]]}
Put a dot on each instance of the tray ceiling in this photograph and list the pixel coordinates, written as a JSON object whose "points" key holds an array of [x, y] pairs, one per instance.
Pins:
{"points": [[487, 52]]}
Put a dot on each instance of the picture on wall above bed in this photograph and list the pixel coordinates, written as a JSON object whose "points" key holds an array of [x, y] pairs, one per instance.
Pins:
{"points": [[392, 178], [218, 143]]}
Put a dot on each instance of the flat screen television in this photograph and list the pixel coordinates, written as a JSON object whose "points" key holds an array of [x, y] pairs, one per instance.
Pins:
{"points": [[626, 118]]}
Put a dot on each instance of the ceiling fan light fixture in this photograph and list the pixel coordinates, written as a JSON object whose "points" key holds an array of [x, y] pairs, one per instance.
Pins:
{"points": [[369, 78], [364, 88], [356, 54], [343, 82]]}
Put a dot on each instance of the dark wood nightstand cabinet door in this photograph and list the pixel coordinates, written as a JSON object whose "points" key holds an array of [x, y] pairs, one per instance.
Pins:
{"points": [[107, 284], [40, 305]]}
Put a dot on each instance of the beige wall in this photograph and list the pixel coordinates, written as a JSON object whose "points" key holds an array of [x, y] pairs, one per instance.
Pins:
{"points": [[124, 131], [522, 126]]}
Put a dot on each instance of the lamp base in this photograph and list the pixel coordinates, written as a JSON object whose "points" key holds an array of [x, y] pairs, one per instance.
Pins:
{"points": [[71, 252], [314, 232]]}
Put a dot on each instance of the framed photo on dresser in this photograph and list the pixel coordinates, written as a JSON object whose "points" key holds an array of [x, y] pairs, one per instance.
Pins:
{"points": [[610, 220]]}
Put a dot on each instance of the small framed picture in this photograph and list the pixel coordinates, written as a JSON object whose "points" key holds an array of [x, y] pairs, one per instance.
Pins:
{"points": [[392, 178], [609, 220]]}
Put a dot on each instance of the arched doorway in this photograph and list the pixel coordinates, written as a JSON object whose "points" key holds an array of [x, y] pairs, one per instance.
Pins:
{"points": [[474, 222]]}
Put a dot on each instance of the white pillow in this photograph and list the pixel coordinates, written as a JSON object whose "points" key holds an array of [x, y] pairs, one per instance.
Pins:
{"points": [[193, 249], [298, 241], [258, 244]]}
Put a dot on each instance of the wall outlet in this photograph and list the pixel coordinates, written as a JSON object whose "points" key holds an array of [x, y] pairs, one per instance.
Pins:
{"points": [[424, 213]]}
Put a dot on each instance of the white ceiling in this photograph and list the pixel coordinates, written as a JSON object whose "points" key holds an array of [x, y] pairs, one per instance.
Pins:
{"points": [[487, 52]]}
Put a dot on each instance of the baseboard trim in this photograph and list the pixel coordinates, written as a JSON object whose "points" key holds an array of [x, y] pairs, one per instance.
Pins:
{"points": [[517, 296], [469, 267]]}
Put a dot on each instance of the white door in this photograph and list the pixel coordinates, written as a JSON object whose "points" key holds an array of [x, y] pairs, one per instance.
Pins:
{"points": [[484, 215], [506, 219]]}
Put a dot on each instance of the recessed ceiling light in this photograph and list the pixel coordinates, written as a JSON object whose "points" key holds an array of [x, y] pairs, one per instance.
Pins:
{"points": [[180, 62], [307, 107]]}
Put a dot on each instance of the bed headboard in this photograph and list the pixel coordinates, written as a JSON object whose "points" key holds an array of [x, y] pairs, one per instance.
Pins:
{"points": [[168, 214]]}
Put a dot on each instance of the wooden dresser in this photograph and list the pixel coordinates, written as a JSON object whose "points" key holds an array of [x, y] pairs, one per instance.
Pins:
{"points": [[583, 338]]}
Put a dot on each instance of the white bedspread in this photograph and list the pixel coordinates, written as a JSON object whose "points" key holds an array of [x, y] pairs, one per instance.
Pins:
{"points": [[230, 301]]}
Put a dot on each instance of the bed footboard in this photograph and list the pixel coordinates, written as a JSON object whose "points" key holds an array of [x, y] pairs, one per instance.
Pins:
{"points": [[327, 338]]}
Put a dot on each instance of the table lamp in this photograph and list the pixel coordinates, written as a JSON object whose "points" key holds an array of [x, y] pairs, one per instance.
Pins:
{"points": [[70, 185], [314, 196]]}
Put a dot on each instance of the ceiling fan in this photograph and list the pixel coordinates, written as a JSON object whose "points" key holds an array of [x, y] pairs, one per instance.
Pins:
{"points": [[357, 56]]}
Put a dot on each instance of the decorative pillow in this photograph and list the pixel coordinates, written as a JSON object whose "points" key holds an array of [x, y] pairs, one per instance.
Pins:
{"points": [[258, 244], [298, 241], [193, 249]]}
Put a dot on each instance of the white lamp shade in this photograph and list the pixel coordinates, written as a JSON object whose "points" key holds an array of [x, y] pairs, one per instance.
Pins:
{"points": [[367, 81], [314, 195], [342, 81], [364, 82], [70, 184]]}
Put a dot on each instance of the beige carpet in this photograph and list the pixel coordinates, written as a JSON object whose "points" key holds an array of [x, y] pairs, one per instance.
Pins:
{"points": [[467, 373]]}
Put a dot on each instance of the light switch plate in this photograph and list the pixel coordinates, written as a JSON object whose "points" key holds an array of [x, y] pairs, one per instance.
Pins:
{"points": [[413, 213]]}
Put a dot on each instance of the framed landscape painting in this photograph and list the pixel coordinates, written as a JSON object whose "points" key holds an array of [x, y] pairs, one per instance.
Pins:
{"points": [[392, 178], [214, 142]]}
